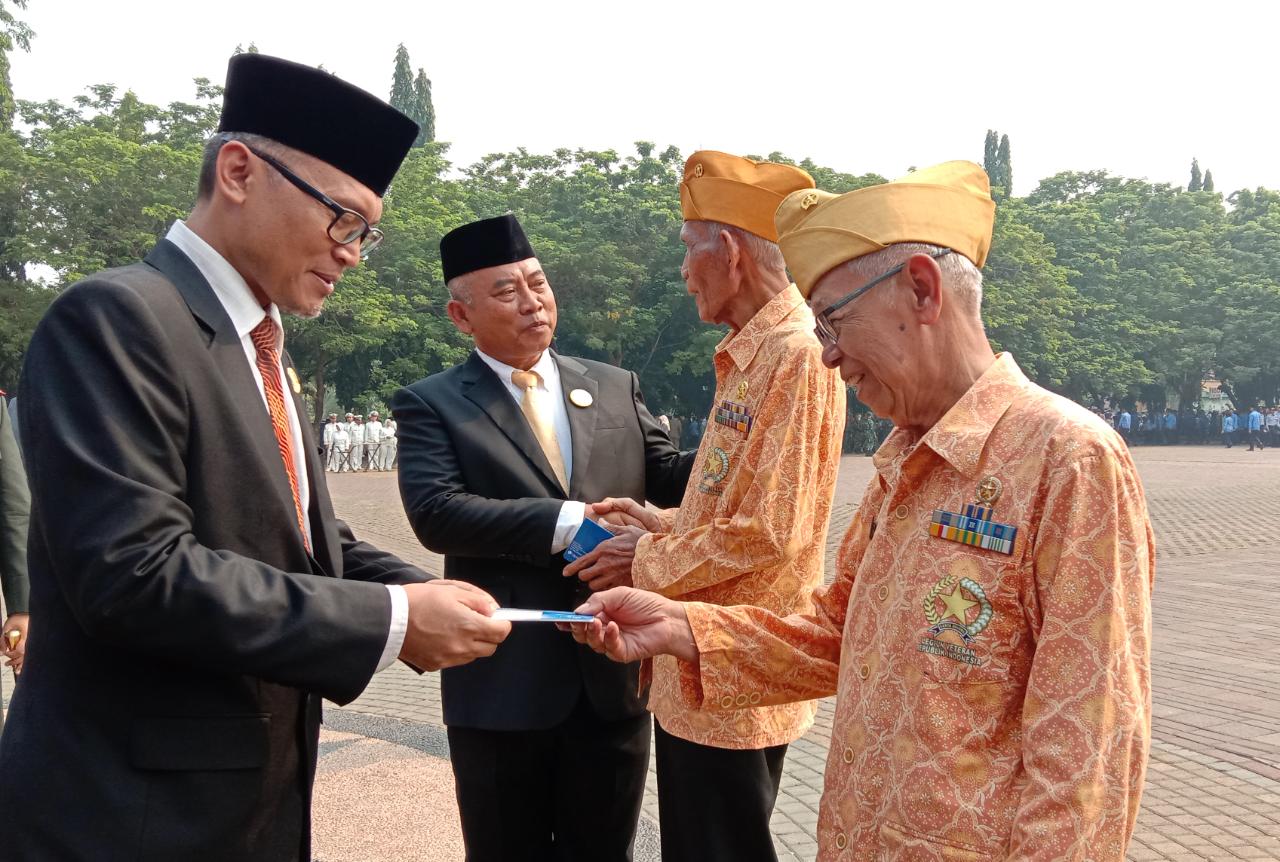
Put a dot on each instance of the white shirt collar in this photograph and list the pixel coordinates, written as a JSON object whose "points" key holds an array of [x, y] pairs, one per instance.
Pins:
{"points": [[229, 285], [545, 366]]}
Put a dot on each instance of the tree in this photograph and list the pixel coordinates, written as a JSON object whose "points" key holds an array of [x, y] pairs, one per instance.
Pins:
{"points": [[402, 97], [424, 111], [1005, 162], [1208, 181], [1196, 183], [990, 162], [252, 49]]}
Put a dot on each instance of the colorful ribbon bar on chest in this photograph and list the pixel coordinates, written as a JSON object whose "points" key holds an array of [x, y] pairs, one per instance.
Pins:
{"points": [[734, 415], [974, 527]]}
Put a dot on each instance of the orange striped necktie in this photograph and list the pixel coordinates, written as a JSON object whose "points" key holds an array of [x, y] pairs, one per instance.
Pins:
{"points": [[266, 340]]}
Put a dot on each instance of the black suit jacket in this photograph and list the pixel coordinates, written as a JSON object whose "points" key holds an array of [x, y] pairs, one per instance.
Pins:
{"points": [[478, 489], [169, 705]]}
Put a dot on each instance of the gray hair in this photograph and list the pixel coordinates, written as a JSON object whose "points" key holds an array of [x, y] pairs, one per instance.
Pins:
{"points": [[460, 288], [766, 254], [213, 146], [964, 279]]}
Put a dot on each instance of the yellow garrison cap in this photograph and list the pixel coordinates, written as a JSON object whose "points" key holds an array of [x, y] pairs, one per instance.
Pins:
{"points": [[948, 205], [737, 191]]}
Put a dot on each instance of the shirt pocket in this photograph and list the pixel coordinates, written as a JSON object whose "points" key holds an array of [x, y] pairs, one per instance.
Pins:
{"points": [[970, 619]]}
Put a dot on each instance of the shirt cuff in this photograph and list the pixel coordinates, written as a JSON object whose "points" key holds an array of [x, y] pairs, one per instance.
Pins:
{"points": [[399, 625], [568, 522]]}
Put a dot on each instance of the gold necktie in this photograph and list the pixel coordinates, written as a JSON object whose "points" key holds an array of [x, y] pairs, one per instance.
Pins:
{"points": [[543, 428]]}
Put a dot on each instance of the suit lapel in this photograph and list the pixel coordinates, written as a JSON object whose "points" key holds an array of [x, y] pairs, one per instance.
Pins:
{"points": [[582, 420], [483, 388], [229, 356]]}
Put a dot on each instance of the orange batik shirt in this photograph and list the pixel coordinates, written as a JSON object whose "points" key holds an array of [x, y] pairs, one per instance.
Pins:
{"points": [[752, 527], [990, 705]]}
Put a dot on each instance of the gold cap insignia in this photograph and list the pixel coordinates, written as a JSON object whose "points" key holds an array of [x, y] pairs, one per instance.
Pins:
{"points": [[808, 200], [989, 491]]}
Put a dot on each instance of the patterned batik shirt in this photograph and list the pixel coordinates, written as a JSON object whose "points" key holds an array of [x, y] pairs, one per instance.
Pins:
{"points": [[752, 527], [990, 705]]}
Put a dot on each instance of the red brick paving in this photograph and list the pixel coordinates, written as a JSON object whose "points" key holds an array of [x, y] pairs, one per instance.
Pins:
{"points": [[1213, 788]]}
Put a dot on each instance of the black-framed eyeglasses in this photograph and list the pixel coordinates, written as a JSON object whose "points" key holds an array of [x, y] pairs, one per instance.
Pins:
{"points": [[825, 327], [347, 225]]}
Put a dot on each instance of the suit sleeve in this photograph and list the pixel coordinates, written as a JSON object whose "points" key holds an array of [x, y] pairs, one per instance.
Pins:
{"points": [[363, 562], [666, 467], [15, 507], [445, 516], [106, 431]]}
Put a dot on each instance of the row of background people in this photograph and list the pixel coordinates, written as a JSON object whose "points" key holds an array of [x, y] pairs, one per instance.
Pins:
{"points": [[353, 445], [1185, 427]]}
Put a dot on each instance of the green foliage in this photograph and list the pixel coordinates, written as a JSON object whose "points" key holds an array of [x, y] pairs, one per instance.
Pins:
{"points": [[998, 164], [402, 82], [1103, 287], [424, 111], [1196, 182]]}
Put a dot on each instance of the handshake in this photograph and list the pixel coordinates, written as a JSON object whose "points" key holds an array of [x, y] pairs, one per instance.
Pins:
{"points": [[451, 623], [608, 564]]}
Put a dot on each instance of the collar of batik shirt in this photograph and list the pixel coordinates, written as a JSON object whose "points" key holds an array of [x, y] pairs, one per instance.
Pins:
{"points": [[961, 434], [743, 345]]}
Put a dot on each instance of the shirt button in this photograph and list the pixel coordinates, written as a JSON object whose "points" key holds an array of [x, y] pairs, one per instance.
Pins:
{"points": [[864, 671], [841, 841], [848, 755], [883, 593], [727, 701], [901, 512]]}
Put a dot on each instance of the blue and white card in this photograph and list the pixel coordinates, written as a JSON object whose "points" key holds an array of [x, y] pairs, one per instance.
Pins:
{"points": [[520, 615], [584, 541]]}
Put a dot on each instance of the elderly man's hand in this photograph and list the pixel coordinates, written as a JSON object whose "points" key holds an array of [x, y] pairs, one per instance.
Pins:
{"points": [[625, 512], [16, 653], [608, 564], [633, 624], [450, 624]]}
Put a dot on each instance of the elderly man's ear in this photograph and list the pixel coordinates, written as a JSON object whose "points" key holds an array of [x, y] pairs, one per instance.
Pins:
{"points": [[925, 277]]}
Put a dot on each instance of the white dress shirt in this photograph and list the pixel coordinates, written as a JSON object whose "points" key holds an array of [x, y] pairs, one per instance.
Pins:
{"points": [[550, 395], [245, 313]]}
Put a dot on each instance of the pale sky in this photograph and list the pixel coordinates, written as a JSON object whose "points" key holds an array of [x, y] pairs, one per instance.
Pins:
{"points": [[1135, 88]]}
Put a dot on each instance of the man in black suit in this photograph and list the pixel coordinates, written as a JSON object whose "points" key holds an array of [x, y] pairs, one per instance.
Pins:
{"points": [[550, 745], [194, 593]]}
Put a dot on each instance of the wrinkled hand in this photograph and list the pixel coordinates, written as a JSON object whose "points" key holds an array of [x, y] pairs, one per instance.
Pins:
{"points": [[449, 625], [608, 564], [18, 653], [633, 624], [625, 512]]}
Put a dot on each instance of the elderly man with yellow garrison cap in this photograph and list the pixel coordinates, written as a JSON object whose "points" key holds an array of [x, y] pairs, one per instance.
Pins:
{"points": [[988, 631], [752, 526]]}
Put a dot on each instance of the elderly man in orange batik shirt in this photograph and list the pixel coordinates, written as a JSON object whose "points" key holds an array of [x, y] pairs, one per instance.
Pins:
{"points": [[988, 633], [753, 523]]}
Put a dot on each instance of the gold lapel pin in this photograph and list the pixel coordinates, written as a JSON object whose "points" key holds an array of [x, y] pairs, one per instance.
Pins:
{"points": [[989, 491], [580, 398], [742, 390]]}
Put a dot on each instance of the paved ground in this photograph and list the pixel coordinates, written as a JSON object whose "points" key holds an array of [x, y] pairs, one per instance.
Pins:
{"points": [[1213, 790]]}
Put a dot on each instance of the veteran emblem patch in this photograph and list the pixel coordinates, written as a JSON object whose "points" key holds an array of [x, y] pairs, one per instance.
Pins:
{"points": [[957, 610], [714, 469]]}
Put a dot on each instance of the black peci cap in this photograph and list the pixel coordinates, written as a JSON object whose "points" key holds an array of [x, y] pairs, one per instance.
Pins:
{"points": [[318, 113], [481, 244]]}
